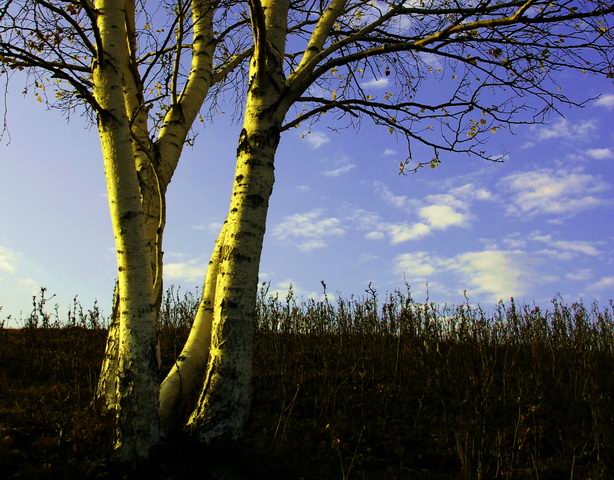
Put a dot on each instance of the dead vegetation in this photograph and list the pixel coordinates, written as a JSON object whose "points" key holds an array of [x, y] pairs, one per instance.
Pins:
{"points": [[358, 388]]}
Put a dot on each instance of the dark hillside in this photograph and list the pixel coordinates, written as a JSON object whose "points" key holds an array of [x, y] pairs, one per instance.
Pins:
{"points": [[356, 389]]}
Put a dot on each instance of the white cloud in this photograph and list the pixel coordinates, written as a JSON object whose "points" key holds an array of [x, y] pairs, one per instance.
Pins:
{"points": [[514, 242], [213, 227], [470, 191], [402, 232], [579, 275], [309, 229], [309, 245], [365, 219], [563, 129], [388, 152], [495, 274], [606, 101], [315, 139], [8, 260], [375, 83], [29, 284], [577, 247], [374, 235], [399, 201], [600, 153], [416, 265], [441, 217], [303, 188], [187, 271], [436, 212], [431, 60], [604, 283], [547, 191], [448, 199], [341, 170], [568, 248]]}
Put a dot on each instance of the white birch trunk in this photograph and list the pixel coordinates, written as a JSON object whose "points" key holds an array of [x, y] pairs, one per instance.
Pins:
{"points": [[156, 164], [137, 428], [223, 406]]}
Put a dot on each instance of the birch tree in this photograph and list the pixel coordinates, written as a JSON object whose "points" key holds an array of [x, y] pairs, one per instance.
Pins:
{"points": [[132, 72], [495, 65]]}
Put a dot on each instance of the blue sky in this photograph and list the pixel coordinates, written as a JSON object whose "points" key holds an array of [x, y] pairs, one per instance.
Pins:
{"points": [[537, 225]]}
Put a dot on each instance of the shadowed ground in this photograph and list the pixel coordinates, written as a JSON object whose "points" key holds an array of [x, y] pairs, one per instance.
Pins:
{"points": [[359, 389]]}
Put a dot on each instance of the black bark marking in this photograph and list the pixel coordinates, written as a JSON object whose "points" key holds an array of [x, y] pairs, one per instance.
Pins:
{"points": [[228, 304], [255, 200], [129, 215]]}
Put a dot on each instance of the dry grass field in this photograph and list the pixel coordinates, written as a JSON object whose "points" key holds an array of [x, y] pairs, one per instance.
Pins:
{"points": [[361, 388]]}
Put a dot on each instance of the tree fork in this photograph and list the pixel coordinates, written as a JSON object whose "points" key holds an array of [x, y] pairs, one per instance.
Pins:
{"points": [[137, 428], [181, 385]]}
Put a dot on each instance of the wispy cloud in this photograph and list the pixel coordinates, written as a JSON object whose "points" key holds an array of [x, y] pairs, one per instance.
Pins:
{"points": [[547, 191], [470, 191], [378, 229], [416, 265], [8, 260], [213, 227], [436, 212], [399, 201], [604, 283], [562, 128], [431, 60], [29, 284], [341, 170], [187, 271], [600, 153], [375, 235], [388, 152], [493, 274], [442, 216], [402, 232], [497, 274], [308, 229], [606, 101], [376, 83], [566, 249], [579, 275], [315, 139]]}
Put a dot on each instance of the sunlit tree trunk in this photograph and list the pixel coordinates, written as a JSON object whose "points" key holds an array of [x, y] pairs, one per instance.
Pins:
{"points": [[225, 398], [152, 197], [137, 384], [156, 163]]}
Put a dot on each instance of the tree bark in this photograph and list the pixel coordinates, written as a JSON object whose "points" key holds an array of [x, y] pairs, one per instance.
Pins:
{"points": [[223, 405], [156, 163], [137, 428], [224, 402]]}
